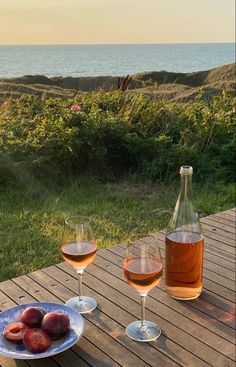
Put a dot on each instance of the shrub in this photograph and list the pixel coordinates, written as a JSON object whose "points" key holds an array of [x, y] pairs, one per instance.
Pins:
{"points": [[115, 134]]}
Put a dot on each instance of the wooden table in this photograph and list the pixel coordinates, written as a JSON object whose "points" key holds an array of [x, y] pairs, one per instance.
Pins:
{"points": [[194, 333]]}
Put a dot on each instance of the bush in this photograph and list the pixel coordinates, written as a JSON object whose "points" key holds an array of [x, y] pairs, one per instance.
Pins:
{"points": [[117, 133]]}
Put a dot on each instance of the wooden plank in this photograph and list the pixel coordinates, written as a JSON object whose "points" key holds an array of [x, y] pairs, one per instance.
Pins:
{"points": [[69, 358], [183, 308], [165, 315], [219, 270], [21, 296], [5, 302], [218, 252], [222, 229], [223, 218], [226, 212], [211, 261], [8, 362], [42, 294], [217, 247], [197, 333], [93, 355], [213, 251], [111, 307], [49, 362], [110, 344], [213, 276], [16, 294], [208, 278], [220, 280], [27, 284], [218, 234], [222, 263], [218, 301], [120, 311], [213, 298], [222, 223], [101, 359], [230, 213], [177, 335], [105, 341], [13, 291], [222, 305], [110, 259], [209, 289], [62, 292]]}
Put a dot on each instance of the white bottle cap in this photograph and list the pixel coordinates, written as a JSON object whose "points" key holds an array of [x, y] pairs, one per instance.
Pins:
{"points": [[186, 170]]}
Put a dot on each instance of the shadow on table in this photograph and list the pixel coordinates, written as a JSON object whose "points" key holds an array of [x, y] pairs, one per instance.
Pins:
{"points": [[4, 362], [216, 301], [222, 320], [96, 316], [54, 362], [91, 360], [160, 344]]}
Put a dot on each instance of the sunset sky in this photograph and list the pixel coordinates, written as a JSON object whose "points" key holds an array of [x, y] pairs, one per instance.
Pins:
{"points": [[115, 21]]}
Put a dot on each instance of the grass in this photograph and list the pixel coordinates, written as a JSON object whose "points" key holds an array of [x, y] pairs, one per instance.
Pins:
{"points": [[31, 219]]}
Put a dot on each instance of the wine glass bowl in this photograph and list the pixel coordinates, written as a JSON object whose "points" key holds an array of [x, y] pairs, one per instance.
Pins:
{"points": [[143, 271], [78, 248]]}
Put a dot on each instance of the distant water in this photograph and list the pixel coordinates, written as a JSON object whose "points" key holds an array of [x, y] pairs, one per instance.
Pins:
{"points": [[91, 60]]}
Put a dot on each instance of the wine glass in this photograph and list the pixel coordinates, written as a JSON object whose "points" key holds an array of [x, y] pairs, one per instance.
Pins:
{"points": [[143, 271], [78, 249]]}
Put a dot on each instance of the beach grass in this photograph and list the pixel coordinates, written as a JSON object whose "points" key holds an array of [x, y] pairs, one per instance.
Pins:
{"points": [[31, 218]]}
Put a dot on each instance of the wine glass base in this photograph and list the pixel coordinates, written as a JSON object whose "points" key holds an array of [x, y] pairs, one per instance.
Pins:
{"points": [[149, 332], [87, 304]]}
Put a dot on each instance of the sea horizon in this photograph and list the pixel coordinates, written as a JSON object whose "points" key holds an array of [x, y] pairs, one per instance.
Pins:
{"points": [[115, 44], [77, 60]]}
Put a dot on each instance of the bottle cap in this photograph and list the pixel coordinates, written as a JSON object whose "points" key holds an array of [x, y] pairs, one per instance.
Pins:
{"points": [[186, 170]]}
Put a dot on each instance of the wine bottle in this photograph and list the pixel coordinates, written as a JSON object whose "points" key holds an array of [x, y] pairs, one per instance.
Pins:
{"points": [[184, 245]]}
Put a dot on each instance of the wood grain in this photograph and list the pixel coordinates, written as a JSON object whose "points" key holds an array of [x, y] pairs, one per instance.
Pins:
{"points": [[198, 333]]}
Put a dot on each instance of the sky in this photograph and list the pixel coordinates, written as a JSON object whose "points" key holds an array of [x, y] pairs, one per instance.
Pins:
{"points": [[116, 21]]}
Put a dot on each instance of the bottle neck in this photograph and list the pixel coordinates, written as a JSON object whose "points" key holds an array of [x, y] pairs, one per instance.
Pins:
{"points": [[186, 187], [184, 218]]}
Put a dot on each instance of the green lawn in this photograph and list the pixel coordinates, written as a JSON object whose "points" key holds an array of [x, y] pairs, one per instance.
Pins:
{"points": [[31, 218]]}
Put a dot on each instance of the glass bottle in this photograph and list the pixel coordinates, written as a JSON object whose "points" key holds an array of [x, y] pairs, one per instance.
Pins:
{"points": [[184, 245]]}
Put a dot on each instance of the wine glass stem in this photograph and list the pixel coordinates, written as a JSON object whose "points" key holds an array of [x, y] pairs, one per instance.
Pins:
{"points": [[143, 300], [80, 276]]}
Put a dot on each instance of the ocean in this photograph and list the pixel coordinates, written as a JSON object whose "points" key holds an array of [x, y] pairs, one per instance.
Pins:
{"points": [[93, 60]]}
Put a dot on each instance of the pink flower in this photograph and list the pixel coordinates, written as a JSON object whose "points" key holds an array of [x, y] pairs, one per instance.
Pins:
{"points": [[6, 103], [75, 107]]}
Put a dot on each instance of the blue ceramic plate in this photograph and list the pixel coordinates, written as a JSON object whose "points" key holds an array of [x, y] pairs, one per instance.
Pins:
{"points": [[15, 351]]}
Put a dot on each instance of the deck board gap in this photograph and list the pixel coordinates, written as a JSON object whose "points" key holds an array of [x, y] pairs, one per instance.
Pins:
{"points": [[138, 304]]}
